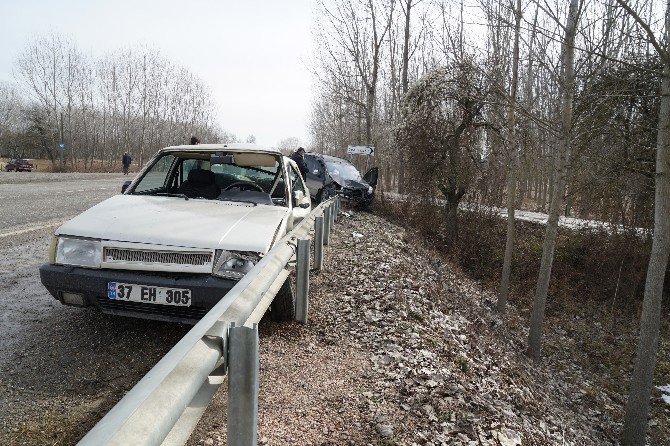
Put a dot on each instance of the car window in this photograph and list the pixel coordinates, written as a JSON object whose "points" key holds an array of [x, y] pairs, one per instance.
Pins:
{"points": [[170, 174], [345, 170], [156, 176], [261, 175], [311, 164], [187, 166], [296, 182]]}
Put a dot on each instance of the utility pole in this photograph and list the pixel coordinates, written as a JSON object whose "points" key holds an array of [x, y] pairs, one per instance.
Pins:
{"points": [[61, 146]]}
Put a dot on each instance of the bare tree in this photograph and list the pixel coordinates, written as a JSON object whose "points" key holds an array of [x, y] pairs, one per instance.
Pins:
{"points": [[562, 157], [513, 160], [288, 145], [637, 407], [439, 123]]}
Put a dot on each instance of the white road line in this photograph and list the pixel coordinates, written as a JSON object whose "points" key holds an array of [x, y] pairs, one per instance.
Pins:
{"points": [[49, 224]]}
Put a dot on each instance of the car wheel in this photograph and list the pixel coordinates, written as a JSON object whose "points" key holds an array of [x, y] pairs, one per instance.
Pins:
{"points": [[324, 194], [283, 305]]}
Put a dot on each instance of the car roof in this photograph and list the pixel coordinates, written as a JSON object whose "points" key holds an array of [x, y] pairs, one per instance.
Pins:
{"points": [[329, 158], [237, 147]]}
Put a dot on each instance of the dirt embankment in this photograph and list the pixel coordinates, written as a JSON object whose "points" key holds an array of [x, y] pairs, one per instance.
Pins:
{"points": [[402, 349]]}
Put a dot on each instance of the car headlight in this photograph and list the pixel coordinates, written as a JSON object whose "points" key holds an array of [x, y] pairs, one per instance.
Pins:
{"points": [[370, 189], [78, 252], [234, 265]]}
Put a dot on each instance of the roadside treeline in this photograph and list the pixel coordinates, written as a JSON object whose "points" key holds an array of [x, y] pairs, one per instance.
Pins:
{"points": [[133, 100], [429, 84], [556, 106]]}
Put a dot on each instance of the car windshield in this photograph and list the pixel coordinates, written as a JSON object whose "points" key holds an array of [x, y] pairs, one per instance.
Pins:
{"points": [[344, 170], [248, 177]]}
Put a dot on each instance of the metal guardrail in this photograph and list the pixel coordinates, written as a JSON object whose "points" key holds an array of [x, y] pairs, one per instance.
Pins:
{"points": [[166, 404]]}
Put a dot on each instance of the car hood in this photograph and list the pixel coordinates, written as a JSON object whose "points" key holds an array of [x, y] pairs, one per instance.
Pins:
{"points": [[351, 184], [174, 221]]}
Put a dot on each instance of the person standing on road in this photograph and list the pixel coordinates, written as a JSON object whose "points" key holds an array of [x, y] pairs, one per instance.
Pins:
{"points": [[126, 160], [299, 157]]}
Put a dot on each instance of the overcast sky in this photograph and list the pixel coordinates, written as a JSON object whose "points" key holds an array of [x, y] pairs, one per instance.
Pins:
{"points": [[253, 54]]}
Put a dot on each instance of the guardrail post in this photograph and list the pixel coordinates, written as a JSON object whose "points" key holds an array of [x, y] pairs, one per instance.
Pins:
{"points": [[242, 386], [336, 207], [318, 243], [333, 212], [302, 279], [326, 225]]}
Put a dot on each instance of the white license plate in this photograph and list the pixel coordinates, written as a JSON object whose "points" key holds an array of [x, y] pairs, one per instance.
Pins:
{"points": [[148, 294]]}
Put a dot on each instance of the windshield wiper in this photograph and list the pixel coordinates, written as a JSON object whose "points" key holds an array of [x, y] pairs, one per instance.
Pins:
{"points": [[168, 194], [239, 201]]}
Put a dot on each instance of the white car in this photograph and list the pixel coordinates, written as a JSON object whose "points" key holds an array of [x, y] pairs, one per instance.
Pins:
{"points": [[193, 222]]}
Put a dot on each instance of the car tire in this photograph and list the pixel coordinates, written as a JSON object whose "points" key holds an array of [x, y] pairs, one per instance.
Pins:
{"points": [[283, 305], [325, 193]]}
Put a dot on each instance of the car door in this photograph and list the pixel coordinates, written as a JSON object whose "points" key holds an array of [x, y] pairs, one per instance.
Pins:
{"points": [[300, 201], [371, 176], [315, 176]]}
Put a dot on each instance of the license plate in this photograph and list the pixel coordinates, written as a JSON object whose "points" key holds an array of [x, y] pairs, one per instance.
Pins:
{"points": [[148, 294]]}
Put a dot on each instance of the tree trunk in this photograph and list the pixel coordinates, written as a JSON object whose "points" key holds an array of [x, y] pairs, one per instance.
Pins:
{"points": [[637, 407], [453, 196], [405, 86], [511, 176], [567, 96]]}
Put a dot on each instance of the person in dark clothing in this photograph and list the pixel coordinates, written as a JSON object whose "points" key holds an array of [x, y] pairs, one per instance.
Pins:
{"points": [[194, 141], [299, 157], [126, 160]]}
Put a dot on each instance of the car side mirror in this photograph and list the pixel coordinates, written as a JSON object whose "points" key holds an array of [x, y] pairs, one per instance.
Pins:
{"points": [[125, 186], [301, 200]]}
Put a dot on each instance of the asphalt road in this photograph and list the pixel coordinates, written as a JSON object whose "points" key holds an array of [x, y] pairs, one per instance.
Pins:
{"points": [[56, 362], [30, 200]]}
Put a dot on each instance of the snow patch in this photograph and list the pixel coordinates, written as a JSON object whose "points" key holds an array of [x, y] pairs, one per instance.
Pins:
{"points": [[666, 392]]}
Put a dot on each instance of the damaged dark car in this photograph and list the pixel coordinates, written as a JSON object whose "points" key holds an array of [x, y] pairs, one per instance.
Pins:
{"points": [[329, 176]]}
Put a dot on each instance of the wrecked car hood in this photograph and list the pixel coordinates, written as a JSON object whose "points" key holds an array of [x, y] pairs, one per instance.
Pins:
{"points": [[174, 221], [351, 184]]}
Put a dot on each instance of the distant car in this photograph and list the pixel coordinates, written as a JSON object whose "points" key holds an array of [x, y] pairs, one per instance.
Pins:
{"points": [[181, 235], [19, 165], [330, 176]]}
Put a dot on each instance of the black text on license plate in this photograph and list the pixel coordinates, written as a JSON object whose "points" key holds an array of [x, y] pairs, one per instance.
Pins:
{"points": [[148, 294]]}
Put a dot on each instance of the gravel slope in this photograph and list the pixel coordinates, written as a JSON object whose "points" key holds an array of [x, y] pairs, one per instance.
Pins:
{"points": [[400, 349]]}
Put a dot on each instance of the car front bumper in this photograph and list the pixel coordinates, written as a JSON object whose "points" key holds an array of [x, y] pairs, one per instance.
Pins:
{"points": [[206, 291], [359, 197]]}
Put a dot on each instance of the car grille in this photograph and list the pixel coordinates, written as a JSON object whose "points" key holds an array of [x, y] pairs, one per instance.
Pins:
{"points": [[162, 257], [353, 193], [170, 311]]}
